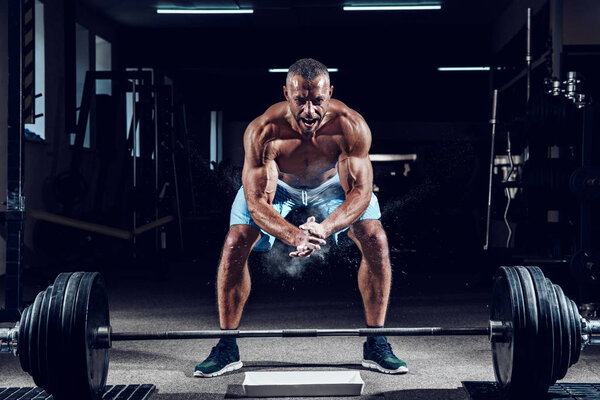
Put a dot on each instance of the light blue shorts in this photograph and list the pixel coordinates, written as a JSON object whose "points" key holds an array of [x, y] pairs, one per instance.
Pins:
{"points": [[326, 198]]}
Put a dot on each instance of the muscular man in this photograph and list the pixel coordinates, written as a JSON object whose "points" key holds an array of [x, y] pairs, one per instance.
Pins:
{"points": [[309, 150]]}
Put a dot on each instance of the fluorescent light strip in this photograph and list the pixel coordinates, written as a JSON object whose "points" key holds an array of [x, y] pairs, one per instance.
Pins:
{"points": [[204, 11], [286, 69], [393, 157], [463, 68], [393, 8]]}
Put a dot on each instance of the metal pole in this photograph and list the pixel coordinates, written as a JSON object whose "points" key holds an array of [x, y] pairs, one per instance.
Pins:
{"points": [[187, 152], [491, 172], [528, 55], [286, 333], [14, 216], [586, 207], [134, 133], [556, 29], [155, 94]]}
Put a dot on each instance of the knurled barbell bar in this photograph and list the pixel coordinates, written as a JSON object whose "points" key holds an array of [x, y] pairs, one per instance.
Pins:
{"points": [[63, 338]]}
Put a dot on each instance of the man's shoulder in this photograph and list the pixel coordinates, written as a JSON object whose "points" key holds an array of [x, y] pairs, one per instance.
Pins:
{"points": [[343, 113], [355, 132], [348, 119], [272, 117], [267, 126]]}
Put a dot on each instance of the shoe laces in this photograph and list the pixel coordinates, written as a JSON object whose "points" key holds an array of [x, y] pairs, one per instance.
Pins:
{"points": [[383, 349], [218, 351]]}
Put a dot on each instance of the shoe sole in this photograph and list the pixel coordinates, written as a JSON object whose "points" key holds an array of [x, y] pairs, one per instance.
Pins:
{"points": [[228, 368], [374, 365]]}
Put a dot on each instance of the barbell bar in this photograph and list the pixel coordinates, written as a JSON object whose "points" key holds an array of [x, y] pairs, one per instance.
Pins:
{"points": [[105, 337], [63, 338]]}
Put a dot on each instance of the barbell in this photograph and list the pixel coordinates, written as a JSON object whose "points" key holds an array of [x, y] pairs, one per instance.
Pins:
{"points": [[63, 338]]}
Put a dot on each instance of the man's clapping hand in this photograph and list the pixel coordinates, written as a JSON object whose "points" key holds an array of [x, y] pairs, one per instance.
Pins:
{"points": [[309, 239]]}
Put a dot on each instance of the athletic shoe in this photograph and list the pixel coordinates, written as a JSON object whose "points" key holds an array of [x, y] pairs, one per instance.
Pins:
{"points": [[377, 354], [222, 358]]}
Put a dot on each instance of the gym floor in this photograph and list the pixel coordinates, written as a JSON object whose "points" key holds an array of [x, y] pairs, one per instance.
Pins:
{"points": [[182, 301]]}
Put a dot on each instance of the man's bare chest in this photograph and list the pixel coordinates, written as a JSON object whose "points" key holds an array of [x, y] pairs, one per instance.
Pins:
{"points": [[307, 157]]}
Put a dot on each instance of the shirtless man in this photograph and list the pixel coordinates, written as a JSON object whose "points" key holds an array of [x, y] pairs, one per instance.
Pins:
{"points": [[310, 150]]}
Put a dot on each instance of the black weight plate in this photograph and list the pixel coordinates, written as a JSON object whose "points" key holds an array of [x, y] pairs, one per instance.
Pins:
{"points": [[98, 315], [572, 330], [566, 329], [569, 329], [557, 328], [529, 338], [54, 330], [91, 312], [545, 356], [578, 339], [585, 183], [23, 343], [42, 355], [33, 336], [508, 307], [67, 370]]}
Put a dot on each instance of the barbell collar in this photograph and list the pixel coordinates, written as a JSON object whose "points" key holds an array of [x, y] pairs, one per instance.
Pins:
{"points": [[499, 332], [9, 339], [591, 332], [104, 336]]}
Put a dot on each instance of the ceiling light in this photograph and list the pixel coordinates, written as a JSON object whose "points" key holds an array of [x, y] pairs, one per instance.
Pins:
{"points": [[286, 69], [463, 68], [204, 11], [405, 7]]}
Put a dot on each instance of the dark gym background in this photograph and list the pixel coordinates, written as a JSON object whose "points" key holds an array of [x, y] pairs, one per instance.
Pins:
{"points": [[434, 207], [200, 79]]}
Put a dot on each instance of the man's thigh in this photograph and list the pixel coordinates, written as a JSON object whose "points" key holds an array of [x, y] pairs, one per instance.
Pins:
{"points": [[328, 206], [240, 215]]}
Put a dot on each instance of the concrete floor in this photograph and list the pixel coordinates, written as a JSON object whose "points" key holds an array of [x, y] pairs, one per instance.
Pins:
{"points": [[437, 365]]}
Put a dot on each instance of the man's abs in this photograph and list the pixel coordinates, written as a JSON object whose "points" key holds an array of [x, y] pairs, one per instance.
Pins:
{"points": [[307, 181]]}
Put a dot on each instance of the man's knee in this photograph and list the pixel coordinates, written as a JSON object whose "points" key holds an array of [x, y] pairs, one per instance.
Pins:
{"points": [[371, 235], [240, 240]]}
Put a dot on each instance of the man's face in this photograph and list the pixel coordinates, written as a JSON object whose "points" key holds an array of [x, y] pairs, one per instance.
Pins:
{"points": [[308, 101]]}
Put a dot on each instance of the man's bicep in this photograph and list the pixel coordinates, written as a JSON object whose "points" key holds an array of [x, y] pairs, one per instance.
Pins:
{"points": [[354, 165], [260, 182], [356, 173], [259, 176]]}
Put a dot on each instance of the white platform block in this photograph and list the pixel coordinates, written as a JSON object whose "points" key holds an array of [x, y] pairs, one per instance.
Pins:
{"points": [[303, 383]]}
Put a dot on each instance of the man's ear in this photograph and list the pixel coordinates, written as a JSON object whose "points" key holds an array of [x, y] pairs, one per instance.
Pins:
{"points": [[330, 91], [285, 92]]}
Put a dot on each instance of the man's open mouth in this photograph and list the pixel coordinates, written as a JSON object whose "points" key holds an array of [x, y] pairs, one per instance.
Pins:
{"points": [[309, 123]]}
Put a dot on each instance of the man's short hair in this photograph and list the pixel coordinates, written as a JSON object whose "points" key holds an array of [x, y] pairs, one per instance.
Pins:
{"points": [[307, 68]]}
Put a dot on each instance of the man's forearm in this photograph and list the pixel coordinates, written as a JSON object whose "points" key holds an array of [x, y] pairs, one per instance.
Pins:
{"points": [[353, 207], [273, 223]]}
